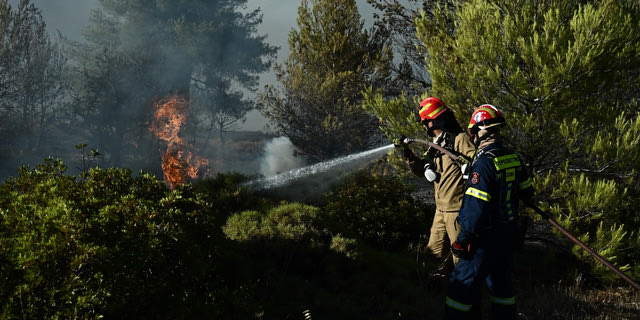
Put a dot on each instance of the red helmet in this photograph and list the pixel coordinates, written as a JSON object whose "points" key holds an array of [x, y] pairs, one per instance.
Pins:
{"points": [[431, 108], [484, 117]]}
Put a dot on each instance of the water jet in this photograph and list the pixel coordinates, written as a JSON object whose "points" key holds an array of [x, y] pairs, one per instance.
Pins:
{"points": [[335, 167]]}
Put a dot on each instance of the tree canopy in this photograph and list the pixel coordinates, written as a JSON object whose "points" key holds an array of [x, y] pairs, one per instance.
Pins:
{"points": [[332, 58], [31, 83], [565, 74]]}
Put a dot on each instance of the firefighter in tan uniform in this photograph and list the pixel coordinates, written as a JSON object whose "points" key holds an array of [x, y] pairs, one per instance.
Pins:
{"points": [[445, 174]]}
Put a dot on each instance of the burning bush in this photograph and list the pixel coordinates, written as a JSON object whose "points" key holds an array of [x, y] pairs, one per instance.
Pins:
{"points": [[178, 162]]}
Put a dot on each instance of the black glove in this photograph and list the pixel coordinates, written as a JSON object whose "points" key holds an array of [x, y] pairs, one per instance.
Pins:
{"points": [[400, 143], [462, 250], [407, 154]]}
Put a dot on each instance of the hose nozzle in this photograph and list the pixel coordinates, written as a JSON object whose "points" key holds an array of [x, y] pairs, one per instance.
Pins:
{"points": [[408, 140]]}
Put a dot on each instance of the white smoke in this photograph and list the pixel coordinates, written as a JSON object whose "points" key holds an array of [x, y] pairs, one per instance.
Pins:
{"points": [[279, 156]]}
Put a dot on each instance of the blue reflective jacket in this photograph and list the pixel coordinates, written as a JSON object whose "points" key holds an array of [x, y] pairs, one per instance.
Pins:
{"points": [[498, 179]]}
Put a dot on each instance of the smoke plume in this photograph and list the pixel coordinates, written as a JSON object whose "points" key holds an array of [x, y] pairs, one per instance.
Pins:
{"points": [[279, 156]]}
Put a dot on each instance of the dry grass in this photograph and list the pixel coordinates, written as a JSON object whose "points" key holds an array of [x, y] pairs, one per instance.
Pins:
{"points": [[553, 285], [568, 302]]}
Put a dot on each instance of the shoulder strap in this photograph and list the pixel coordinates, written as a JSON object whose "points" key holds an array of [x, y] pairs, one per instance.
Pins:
{"points": [[450, 141]]}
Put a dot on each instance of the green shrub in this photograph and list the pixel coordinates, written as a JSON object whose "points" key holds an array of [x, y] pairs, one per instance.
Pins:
{"points": [[376, 210], [226, 197], [297, 265], [287, 221], [111, 245]]}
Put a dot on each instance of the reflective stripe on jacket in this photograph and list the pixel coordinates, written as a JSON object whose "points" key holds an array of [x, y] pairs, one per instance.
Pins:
{"points": [[498, 180]]}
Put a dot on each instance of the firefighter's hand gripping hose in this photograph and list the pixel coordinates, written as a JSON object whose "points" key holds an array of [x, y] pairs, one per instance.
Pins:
{"points": [[604, 261], [402, 144]]}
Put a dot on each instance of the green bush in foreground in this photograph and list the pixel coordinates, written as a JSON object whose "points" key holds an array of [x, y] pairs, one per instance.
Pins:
{"points": [[301, 267], [110, 245], [114, 246], [378, 211]]}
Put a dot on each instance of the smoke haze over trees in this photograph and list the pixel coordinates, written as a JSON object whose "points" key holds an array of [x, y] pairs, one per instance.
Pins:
{"points": [[139, 51], [132, 54], [32, 84]]}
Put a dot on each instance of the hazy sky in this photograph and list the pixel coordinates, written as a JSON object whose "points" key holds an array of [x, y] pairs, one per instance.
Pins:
{"points": [[70, 17]]}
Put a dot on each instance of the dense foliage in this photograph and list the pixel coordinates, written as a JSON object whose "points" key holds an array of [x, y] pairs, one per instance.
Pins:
{"points": [[566, 75], [380, 212], [110, 244]]}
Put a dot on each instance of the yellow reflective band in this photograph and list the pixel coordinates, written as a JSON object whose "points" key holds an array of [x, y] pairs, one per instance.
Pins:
{"points": [[506, 162], [435, 112], [511, 175], [457, 305], [478, 194], [424, 108], [526, 184], [488, 110], [503, 301]]}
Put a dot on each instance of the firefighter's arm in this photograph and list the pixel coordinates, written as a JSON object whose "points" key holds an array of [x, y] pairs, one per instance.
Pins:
{"points": [[417, 166], [526, 189], [477, 199]]}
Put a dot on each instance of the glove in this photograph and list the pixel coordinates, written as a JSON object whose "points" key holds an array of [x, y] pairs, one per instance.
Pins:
{"points": [[399, 142], [429, 173], [462, 250], [402, 141]]}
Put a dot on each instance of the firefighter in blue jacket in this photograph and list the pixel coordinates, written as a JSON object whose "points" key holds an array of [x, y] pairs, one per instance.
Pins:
{"points": [[498, 179]]}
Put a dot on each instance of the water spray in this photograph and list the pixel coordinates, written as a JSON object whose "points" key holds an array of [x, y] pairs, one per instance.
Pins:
{"points": [[288, 177]]}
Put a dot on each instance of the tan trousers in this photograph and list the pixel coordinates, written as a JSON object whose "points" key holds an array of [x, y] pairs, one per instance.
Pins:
{"points": [[444, 232]]}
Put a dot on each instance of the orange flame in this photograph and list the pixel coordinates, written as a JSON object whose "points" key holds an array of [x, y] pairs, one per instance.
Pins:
{"points": [[177, 160]]}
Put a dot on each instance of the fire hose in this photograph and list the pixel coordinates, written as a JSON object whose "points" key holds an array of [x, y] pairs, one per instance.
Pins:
{"points": [[464, 159], [584, 246], [459, 157]]}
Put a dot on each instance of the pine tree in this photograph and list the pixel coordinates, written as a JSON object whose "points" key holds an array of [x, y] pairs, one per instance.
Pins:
{"points": [[565, 74], [31, 84], [332, 59], [396, 18], [139, 51]]}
